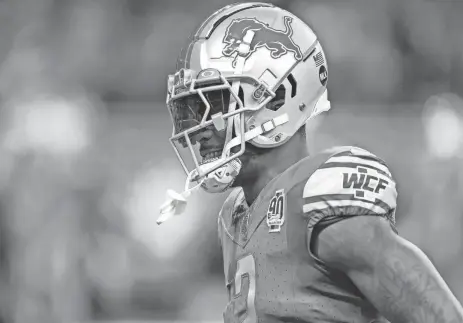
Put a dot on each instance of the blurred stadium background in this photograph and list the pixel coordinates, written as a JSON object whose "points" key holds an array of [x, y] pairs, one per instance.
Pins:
{"points": [[85, 161]]}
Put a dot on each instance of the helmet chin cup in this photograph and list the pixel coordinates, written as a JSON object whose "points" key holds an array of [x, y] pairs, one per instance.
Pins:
{"points": [[222, 178]]}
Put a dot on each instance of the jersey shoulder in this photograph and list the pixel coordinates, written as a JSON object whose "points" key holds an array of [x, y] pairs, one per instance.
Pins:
{"points": [[302, 170], [351, 181]]}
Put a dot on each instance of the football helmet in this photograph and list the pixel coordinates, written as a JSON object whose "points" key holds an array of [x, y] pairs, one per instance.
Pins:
{"points": [[252, 72]]}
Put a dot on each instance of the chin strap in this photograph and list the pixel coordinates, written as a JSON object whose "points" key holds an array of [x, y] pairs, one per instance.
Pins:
{"points": [[257, 131], [176, 202]]}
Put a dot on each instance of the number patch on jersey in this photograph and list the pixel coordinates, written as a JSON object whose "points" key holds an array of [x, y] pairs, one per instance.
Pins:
{"points": [[242, 293]]}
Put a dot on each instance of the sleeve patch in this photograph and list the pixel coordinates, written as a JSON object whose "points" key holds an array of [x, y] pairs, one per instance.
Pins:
{"points": [[350, 184]]}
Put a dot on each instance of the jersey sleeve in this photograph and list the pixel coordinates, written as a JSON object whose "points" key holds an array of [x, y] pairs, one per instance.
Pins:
{"points": [[351, 183]]}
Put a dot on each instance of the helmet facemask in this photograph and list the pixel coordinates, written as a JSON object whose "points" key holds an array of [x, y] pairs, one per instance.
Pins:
{"points": [[209, 120]]}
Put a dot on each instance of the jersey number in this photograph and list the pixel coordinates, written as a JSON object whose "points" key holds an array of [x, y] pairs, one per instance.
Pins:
{"points": [[242, 293]]}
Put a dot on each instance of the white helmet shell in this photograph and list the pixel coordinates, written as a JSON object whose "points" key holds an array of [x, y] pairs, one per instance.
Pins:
{"points": [[271, 63]]}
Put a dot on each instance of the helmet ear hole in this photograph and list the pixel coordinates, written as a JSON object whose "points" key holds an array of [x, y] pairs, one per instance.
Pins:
{"points": [[279, 100], [280, 95]]}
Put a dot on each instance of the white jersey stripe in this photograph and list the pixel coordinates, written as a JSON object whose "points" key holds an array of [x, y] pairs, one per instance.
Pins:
{"points": [[307, 208], [359, 161]]}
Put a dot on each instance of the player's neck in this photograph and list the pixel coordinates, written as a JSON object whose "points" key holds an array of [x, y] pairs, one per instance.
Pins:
{"points": [[272, 164]]}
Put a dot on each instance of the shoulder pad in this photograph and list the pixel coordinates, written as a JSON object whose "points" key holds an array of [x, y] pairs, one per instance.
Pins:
{"points": [[352, 182]]}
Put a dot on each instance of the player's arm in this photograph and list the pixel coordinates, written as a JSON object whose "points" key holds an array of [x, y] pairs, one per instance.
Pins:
{"points": [[395, 275], [350, 202]]}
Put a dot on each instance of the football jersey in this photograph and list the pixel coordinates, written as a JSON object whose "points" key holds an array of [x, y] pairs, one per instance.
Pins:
{"points": [[271, 273]]}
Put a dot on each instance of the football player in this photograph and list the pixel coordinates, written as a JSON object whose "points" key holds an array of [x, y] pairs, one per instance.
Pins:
{"points": [[305, 237]]}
